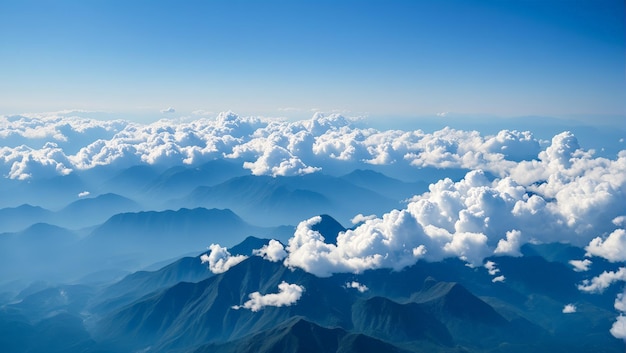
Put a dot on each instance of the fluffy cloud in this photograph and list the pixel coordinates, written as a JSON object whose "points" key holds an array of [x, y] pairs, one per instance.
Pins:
{"points": [[581, 265], [569, 309], [511, 245], [612, 248], [618, 330], [498, 279], [168, 110], [274, 251], [23, 162], [601, 282], [361, 218], [220, 260], [266, 146], [470, 219], [557, 193], [288, 294], [358, 286], [493, 270]]}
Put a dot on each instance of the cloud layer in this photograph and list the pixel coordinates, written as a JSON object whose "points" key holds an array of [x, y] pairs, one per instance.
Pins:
{"points": [[42, 145]]}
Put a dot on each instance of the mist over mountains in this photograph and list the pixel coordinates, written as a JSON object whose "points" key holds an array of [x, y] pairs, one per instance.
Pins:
{"points": [[237, 234]]}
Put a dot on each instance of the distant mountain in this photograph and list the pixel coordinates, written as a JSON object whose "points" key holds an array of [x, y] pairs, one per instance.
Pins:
{"points": [[41, 251], [384, 185], [52, 193], [182, 180], [153, 236], [288, 200], [247, 246], [329, 228], [78, 214], [131, 181], [554, 252], [13, 219], [53, 299], [61, 332], [140, 283], [261, 199], [94, 210]]}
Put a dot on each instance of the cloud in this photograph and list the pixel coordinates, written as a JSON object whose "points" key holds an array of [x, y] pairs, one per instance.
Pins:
{"points": [[569, 309], [470, 219], [511, 245], [358, 286], [581, 265], [84, 194], [443, 114], [498, 279], [601, 282], [220, 260], [24, 162], [618, 330], [288, 294], [619, 221], [361, 218], [493, 270], [274, 251], [168, 110], [613, 248]]}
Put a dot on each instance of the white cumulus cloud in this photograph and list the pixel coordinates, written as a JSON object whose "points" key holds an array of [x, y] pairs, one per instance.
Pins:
{"points": [[220, 260], [288, 294], [498, 279], [618, 330], [601, 282], [581, 265], [274, 251], [613, 248], [569, 309], [358, 286]]}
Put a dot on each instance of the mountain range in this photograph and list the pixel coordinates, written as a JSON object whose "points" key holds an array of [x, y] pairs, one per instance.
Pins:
{"points": [[118, 263], [428, 307]]}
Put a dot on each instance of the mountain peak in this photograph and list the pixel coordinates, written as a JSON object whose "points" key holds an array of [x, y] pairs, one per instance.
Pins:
{"points": [[329, 228]]}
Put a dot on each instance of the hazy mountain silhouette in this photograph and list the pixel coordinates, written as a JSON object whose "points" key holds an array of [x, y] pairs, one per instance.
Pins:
{"points": [[94, 210], [13, 219], [181, 180], [164, 234], [384, 185], [288, 200]]}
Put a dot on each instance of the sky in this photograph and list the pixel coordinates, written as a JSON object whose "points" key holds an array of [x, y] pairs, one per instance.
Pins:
{"points": [[291, 58]]}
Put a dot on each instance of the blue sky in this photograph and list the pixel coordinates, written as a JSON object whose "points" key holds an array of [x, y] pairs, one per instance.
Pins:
{"points": [[287, 58]]}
